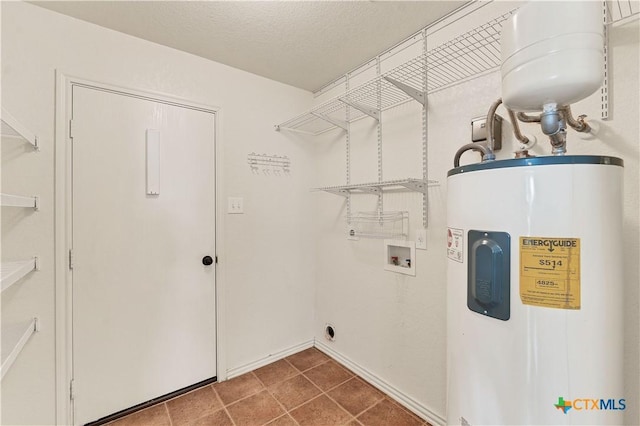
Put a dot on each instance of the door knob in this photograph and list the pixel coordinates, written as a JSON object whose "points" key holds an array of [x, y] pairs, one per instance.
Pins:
{"points": [[207, 260]]}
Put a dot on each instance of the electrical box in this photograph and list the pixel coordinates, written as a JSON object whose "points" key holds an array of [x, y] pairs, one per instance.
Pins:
{"points": [[479, 131]]}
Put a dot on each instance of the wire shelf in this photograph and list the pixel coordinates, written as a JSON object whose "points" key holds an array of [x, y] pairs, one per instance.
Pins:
{"points": [[384, 225], [618, 10], [418, 185], [461, 59]]}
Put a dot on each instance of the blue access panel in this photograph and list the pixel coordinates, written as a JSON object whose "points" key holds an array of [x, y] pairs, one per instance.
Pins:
{"points": [[489, 272]]}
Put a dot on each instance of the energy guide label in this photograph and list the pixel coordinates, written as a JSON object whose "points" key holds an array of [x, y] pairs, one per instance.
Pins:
{"points": [[550, 272]]}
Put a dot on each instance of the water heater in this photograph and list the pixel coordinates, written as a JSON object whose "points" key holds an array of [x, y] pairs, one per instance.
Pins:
{"points": [[534, 268], [534, 296]]}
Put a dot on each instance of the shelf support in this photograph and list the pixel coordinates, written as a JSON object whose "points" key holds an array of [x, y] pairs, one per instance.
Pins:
{"points": [[414, 185], [337, 191], [371, 112], [12, 272], [14, 339], [20, 129], [416, 94], [371, 189], [8, 200], [339, 123], [279, 128]]}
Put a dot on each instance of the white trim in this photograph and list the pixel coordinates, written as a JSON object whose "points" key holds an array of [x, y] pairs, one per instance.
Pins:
{"points": [[63, 228], [238, 371], [404, 399]]}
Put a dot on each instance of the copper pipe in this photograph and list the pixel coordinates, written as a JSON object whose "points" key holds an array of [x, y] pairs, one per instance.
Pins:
{"points": [[490, 117], [516, 128], [579, 125], [487, 154], [528, 118]]}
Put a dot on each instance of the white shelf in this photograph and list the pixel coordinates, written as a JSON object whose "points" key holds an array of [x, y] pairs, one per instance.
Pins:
{"points": [[12, 272], [12, 128], [8, 200], [471, 55], [376, 188], [14, 338]]}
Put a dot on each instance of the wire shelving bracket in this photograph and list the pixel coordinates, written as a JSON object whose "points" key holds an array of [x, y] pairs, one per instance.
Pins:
{"points": [[12, 128], [14, 338], [12, 272]]}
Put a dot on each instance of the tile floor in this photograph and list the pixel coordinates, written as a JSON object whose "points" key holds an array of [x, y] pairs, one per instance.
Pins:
{"points": [[307, 388]]}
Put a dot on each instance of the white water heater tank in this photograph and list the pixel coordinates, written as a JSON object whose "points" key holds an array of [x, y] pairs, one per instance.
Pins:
{"points": [[552, 52], [535, 292]]}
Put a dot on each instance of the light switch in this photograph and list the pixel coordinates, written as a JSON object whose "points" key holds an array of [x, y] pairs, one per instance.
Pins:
{"points": [[235, 205]]}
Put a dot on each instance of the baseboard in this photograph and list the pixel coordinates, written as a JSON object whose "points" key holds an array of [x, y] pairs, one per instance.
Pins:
{"points": [[238, 371], [407, 401]]}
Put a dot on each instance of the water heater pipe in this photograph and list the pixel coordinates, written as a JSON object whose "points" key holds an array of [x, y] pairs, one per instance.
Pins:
{"points": [[578, 125], [514, 123], [490, 117], [516, 128], [528, 118], [487, 153]]}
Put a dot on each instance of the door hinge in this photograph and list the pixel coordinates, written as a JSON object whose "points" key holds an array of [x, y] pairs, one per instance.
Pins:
{"points": [[70, 258], [71, 394], [71, 128]]}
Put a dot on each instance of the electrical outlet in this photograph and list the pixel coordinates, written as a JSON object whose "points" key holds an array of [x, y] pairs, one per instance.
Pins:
{"points": [[421, 239], [235, 205]]}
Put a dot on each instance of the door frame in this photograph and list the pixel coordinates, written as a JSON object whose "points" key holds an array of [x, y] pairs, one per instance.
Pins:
{"points": [[63, 228]]}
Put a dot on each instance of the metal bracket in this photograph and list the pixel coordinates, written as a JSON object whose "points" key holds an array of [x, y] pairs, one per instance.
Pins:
{"points": [[416, 94], [279, 128], [371, 189], [339, 123], [371, 112], [342, 192], [415, 186]]}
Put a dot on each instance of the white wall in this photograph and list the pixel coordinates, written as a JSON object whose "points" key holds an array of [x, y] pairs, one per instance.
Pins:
{"points": [[394, 326], [267, 262]]}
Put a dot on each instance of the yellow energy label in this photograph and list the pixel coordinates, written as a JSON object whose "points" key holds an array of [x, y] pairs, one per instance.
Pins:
{"points": [[550, 272]]}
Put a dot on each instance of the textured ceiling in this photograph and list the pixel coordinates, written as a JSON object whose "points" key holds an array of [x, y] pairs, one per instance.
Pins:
{"points": [[306, 44]]}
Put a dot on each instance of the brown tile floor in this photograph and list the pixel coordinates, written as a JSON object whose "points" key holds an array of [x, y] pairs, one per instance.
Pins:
{"points": [[307, 388]]}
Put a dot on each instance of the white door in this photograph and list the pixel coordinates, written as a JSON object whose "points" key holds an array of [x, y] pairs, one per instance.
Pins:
{"points": [[143, 299]]}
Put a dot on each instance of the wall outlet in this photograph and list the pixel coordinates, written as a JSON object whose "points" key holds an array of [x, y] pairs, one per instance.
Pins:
{"points": [[235, 205], [421, 239]]}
